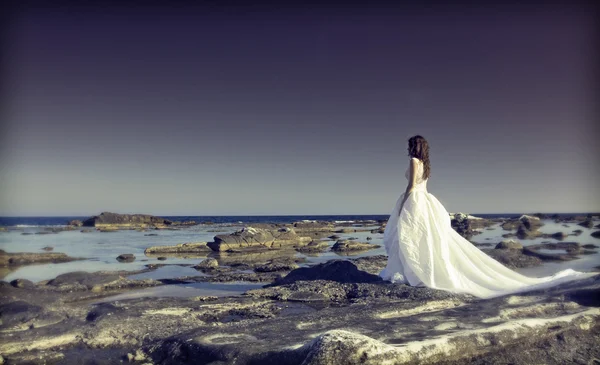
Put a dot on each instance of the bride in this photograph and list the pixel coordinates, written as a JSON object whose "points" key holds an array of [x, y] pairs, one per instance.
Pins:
{"points": [[424, 250]]}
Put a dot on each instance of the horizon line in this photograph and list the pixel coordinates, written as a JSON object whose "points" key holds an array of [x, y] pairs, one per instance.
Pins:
{"points": [[274, 215]]}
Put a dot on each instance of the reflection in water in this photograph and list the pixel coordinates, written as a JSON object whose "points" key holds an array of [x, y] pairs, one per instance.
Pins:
{"points": [[186, 291]]}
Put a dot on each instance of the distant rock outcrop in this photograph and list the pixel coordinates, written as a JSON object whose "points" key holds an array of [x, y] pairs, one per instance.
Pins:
{"points": [[107, 220]]}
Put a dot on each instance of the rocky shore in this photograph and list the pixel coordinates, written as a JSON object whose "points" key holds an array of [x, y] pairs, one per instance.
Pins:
{"points": [[335, 312]]}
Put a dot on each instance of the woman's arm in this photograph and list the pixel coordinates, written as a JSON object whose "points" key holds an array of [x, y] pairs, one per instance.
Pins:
{"points": [[411, 181]]}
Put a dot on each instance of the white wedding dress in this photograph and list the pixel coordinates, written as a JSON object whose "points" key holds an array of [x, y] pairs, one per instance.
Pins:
{"points": [[424, 250]]}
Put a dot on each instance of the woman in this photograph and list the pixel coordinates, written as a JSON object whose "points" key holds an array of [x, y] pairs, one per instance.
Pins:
{"points": [[424, 250]]}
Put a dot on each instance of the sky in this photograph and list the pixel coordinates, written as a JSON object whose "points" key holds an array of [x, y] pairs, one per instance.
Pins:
{"points": [[257, 110]]}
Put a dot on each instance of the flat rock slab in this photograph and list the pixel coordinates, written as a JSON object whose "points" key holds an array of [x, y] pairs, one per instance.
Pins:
{"points": [[28, 258], [394, 332], [190, 247], [250, 238]]}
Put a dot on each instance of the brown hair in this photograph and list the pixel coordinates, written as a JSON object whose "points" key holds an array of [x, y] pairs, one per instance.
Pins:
{"points": [[419, 148]]}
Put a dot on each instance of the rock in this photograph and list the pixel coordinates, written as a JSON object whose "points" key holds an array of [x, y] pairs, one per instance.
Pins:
{"points": [[190, 247], [75, 223], [153, 235], [573, 249], [524, 233], [17, 312], [345, 246], [590, 246], [86, 230], [509, 244], [513, 258], [369, 238], [531, 223], [559, 235], [27, 258], [47, 248], [80, 280], [22, 283], [335, 270], [588, 223], [275, 266], [577, 232], [101, 310], [249, 238], [161, 258], [126, 257], [595, 234], [334, 237], [126, 221], [207, 264], [202, 298], [313, 247], [461, 225], [346, 230], [313, 226]]}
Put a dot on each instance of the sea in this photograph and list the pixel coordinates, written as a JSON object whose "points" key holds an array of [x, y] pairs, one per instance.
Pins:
{"points": [[98, 250]]}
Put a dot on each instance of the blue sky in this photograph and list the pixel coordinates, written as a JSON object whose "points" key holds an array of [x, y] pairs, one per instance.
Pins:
{"points": [[227, 112]]}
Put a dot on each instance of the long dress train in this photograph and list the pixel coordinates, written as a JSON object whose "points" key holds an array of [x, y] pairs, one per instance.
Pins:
{"points": [[424, 250]]}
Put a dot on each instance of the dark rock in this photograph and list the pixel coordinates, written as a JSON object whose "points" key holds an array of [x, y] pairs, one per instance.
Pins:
{"points": [[313, 247], [590, 246], [82, 278], [595, 234], [513, 258], [276, 266], [151, 234], [17, 312], [161, 258], [47, 248], [509, 244], [588, 223], [335, 270], [126, 257], [75, 223], [22, 283], [461, 224], [577, 232], [101, 310], [559, 235], [207, 264], [524, 233], [115, 220], [86, 230], [345, 246]]}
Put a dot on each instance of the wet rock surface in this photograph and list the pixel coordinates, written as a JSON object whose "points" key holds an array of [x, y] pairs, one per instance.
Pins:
{"points": [[337, 312], [352, 246], [190, 247], [28, 258]]}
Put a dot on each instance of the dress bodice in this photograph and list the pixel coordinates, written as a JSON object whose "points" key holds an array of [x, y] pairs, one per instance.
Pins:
{"points": [[421, 184]]}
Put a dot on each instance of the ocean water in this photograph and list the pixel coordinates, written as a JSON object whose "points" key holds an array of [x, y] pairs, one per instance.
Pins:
{"points": [[99, 250]]}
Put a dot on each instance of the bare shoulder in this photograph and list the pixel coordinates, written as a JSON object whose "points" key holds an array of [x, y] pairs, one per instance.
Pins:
{"points": [[414, 160]]}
